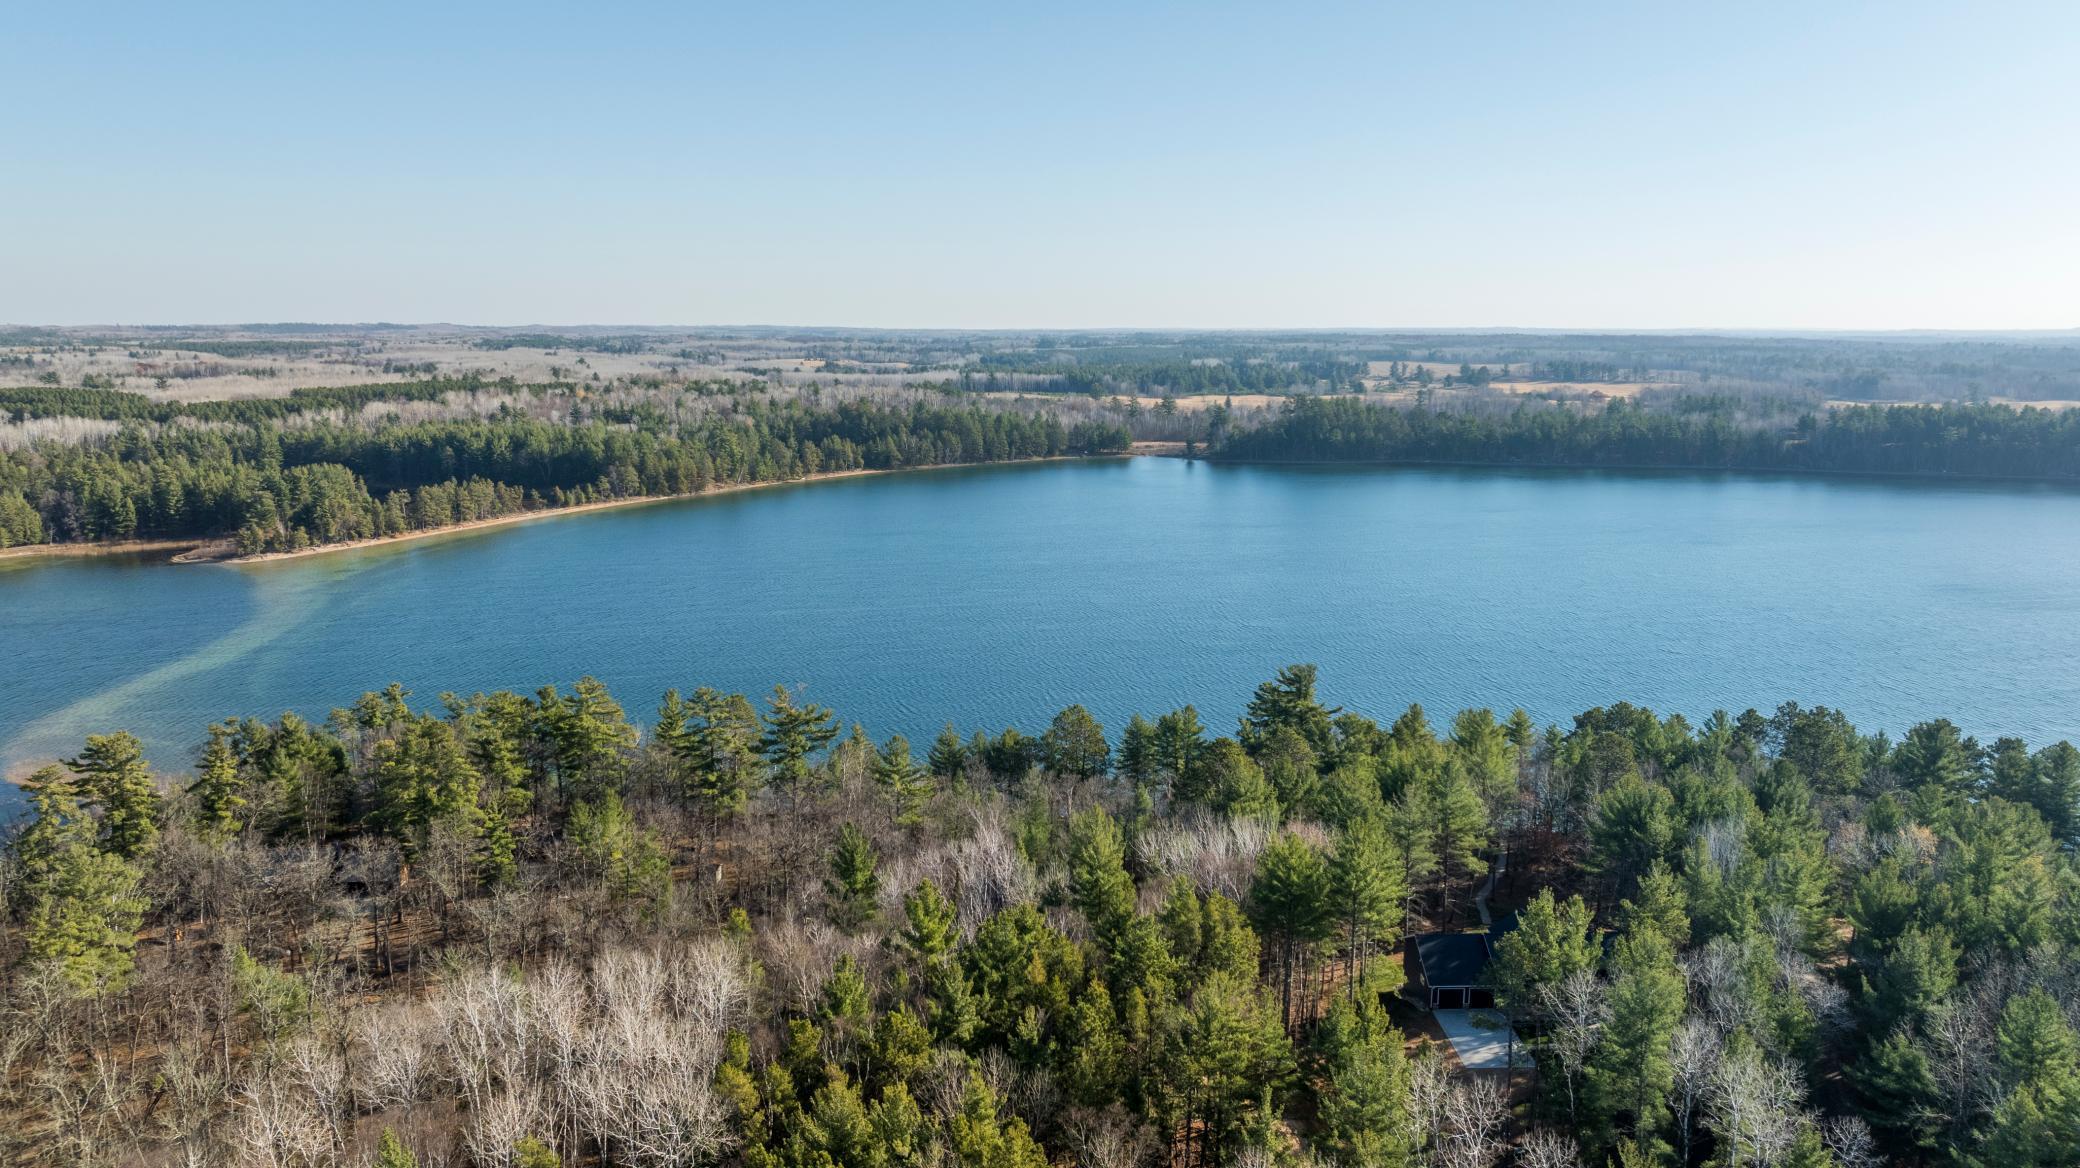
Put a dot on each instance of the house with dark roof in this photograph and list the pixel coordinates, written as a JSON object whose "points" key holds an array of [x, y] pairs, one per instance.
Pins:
{"points": [[1450, 970]]}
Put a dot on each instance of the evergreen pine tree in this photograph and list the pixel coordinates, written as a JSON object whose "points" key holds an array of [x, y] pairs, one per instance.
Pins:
{"points": [[1459, 826], [854, 882], [671, 720], [83, 906], [1552, 940], [719, 748], [2054, 790], [1287, 700], [1177, 745], [793, 733], [1074, 745], [423, 776], [1099, 885], [1289, 902], [1137, 751], [948, 759], [391, 1152], [1093, 1050], [929, 929], [1366, 1096], [1482, 745], [219, 803], [1366, 890], [977, 1138], [589, 736], [904, 786], [1630, 1072], [114, 778], [2037, 1124]]}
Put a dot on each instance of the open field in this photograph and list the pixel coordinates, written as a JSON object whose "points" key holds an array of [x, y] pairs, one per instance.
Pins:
{"points": [[1509, 377], [1585, 388], [220, 364], [171, 373], [2020, 403], [1190, 403], [2045, 404], [1254, 369], [1438, 369]]}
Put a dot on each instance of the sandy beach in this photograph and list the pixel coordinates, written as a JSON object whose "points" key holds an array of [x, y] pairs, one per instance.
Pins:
{"points": [[194, 551]]}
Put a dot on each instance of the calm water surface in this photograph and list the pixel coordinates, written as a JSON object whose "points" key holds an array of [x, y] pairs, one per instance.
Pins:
{"points": [[997, 596]]}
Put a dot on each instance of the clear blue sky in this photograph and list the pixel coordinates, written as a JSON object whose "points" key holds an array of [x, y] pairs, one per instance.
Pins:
{"points": [[1649, 165]]}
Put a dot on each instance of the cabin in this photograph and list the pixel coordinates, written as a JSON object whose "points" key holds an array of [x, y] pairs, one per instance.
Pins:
{"points": [[1450, 970]]}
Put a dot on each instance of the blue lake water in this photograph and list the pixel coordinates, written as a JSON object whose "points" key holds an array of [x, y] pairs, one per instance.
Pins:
{"points": [[996, 596]]}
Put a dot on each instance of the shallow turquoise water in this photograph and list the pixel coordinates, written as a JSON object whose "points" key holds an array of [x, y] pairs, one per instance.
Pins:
{"points": [[997, 596]]}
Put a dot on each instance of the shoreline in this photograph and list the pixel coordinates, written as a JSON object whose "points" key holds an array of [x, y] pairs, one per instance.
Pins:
{"points": [[556, 513], [636, 501], [191, 551], [206, 551], [121, 547], [1928, 476]]}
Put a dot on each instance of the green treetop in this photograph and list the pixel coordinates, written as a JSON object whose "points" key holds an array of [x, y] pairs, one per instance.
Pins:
{"points": [[854, 882], [794, 732], [83, 904], [114, 778], [905, 786], [1074, 745]]}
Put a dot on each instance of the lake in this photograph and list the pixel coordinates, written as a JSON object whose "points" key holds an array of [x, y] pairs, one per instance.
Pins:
{"points": [[996, 596]]}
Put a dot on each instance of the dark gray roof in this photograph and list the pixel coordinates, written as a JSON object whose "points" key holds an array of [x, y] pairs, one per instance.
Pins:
{"points": [[1453, 959]]}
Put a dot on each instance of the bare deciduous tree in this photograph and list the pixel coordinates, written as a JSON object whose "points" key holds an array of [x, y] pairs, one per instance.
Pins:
{"points": [[1546, 1148], [1218, 853], [1755, 1108], [1475, 1110], [1694, 1058], [1578, 1005], [1849, 1140]]}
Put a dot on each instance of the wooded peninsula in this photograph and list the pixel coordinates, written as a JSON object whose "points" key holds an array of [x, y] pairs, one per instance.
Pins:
{"points": [[513, 929], [337, 466], [278, 475], [401, 429]]}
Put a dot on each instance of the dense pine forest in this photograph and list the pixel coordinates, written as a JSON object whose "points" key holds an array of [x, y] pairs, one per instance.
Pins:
{"points": [[328, 465], [511, 929], [332, 465], [1694, 432]]}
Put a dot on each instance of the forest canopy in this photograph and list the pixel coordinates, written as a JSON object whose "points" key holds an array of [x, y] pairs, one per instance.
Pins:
{"points": [[481, 423], [1982, 440], [508, 928], [287, 473]]}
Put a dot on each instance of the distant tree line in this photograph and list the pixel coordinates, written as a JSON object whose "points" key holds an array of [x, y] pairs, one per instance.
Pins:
{"points": [[1046, 372], [1708, 432], [1565, 370], [222, 347], [20, 404], [274, 486], [582, 344]]}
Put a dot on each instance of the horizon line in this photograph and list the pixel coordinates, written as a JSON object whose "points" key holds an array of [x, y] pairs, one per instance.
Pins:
{"points": [[1384, 330]]}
